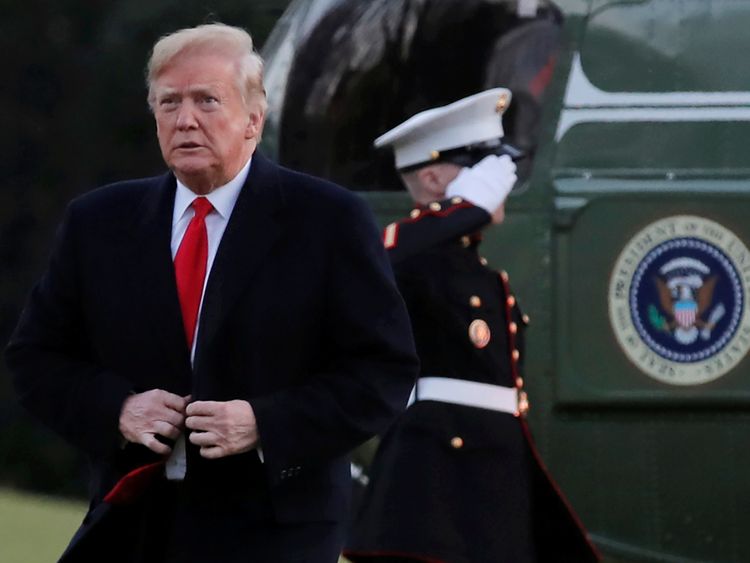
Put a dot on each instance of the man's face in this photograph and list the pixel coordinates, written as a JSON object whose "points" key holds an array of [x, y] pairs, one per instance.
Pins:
{"points": [[206, 132], [429, 183]]}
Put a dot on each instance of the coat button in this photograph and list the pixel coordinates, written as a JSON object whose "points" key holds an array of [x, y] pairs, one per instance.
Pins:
{"points": [[456, 200], [519, 382], [483, 261], [457, 442], [475, 301], [515, 354], [465, 241], [504, 276], [511, 301], [435, 206], [526, 319], [513, 328]]}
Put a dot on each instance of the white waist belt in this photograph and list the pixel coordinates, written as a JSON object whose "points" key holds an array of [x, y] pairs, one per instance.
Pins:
{"points": [[467, 393]]}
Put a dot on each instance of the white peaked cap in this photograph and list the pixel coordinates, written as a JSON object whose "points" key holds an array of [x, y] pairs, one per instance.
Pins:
{"points": [[469, 121]]}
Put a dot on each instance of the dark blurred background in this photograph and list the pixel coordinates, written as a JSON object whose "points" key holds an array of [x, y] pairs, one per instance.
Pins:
{"points": [[74, 117]]}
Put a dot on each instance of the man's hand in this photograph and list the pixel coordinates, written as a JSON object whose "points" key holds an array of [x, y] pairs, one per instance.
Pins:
{"points": [[144, 415], [486, 184], [222, 428]]}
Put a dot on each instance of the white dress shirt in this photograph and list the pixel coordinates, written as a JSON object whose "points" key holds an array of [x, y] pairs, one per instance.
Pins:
{"points": [[223, 199]]}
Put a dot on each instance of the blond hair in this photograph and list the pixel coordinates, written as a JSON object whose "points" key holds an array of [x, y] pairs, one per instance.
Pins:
{"points": [[233, 42]]}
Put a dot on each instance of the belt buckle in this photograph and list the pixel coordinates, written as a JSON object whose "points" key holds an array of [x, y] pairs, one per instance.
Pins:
{"points": [[522, 400]]}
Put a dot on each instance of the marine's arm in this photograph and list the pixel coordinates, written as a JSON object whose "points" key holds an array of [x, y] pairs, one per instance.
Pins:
{"points": [[438, 223], [473, 199]]}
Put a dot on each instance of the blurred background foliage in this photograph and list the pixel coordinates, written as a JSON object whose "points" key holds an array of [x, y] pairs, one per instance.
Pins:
{"points": [[75, 117]]}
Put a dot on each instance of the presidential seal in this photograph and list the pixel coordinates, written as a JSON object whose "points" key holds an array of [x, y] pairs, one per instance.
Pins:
{"points": [[678, 300]]}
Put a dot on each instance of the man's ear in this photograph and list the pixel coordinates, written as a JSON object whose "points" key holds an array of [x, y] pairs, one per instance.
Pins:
{"points": [[431, 182], [254, 123]]}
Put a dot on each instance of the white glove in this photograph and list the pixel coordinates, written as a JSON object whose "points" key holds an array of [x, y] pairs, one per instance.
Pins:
{"points": [[486, 184]]}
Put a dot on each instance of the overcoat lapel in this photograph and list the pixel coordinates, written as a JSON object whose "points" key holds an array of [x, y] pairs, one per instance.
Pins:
{"points": [[253, 228], [154, 281]]}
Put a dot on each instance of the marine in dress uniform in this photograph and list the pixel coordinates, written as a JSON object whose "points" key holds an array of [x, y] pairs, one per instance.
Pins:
{"points": [[457, 479]]}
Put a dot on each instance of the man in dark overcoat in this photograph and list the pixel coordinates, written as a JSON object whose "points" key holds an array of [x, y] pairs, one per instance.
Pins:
{"points": [[215, 339], [456, 479]]}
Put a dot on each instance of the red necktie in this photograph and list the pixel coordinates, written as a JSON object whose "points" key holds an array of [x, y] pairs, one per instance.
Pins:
{"points": [[190, 266]]}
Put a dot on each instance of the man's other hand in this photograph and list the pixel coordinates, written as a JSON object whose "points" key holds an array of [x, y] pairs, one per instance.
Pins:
{"points": [[156, 412], [222, 428]]}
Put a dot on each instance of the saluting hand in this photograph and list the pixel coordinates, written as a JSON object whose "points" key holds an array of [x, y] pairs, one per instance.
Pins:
{"points": [[144, 415], [222, 428], [486, 184]]}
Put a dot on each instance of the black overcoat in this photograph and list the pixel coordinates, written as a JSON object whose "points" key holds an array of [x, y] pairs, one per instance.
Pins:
{"points": [[301, 317]]}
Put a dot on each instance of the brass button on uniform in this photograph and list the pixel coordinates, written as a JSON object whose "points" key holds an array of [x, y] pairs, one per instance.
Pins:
{"points": [[434, 155], [465, 241], [483, 261], [519, 382], [479, 333], [523, 403], [513, 328], [456, 200], [511, 301], [435, 206], [414, 213], [475, 301], [515, 355], [457, 442], [501, 104], [526, 320], [504, 276]]}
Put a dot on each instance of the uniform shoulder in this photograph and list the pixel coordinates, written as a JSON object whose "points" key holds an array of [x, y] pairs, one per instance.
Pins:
{"points": [[436, 209], [431, 225]]}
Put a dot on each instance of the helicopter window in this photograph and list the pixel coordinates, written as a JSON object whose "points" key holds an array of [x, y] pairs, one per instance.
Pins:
{"points": [[669, 99], [367, 65], [670, 51]]}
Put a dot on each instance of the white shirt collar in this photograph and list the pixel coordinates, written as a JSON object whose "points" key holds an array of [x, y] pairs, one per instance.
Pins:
{"points": [[222, 198]]}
